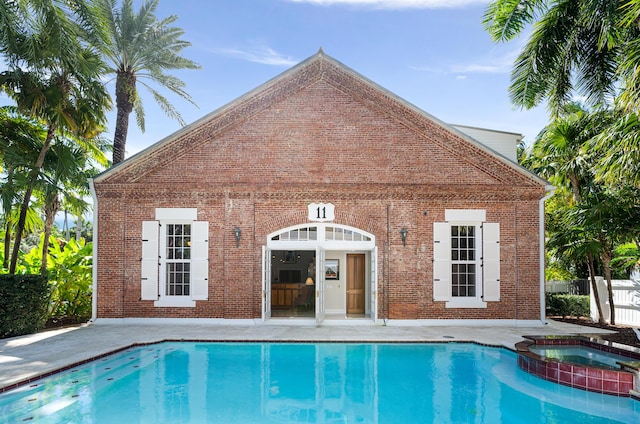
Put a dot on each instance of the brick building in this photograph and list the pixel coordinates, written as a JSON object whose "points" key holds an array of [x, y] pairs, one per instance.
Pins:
{"points": [[319, 196]]}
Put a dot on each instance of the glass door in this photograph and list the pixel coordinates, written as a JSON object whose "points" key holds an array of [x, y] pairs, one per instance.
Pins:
{"points": [[266, 283], [320, 274]]}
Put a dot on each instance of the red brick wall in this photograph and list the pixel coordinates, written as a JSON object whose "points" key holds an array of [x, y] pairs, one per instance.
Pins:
{"points": [[258, 164]]}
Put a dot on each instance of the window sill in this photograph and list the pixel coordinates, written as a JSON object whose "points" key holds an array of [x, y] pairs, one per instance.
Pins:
{"points": [[469, 304], [175, 302]]}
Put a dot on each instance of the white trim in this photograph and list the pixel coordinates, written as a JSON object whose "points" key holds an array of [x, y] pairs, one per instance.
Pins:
{"points": [[465, 215], [173, 321], [94, 252], [311, 323], [176, 214], [542, 257], [465, 323], [461, 303], [175, 302]]}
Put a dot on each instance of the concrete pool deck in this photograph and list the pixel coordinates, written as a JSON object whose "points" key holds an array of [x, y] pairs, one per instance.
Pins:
{"points": [[26, 357]]}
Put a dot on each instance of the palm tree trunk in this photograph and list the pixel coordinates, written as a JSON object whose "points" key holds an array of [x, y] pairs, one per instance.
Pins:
{"points": [[33, 176], [594, 287], [51, 209], [606, 264], [125, 97], [78, 228], [7, 244]]}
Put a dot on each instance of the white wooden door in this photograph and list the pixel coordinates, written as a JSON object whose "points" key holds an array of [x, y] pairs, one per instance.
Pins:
{"points": [[266, 283], [320, 264]]}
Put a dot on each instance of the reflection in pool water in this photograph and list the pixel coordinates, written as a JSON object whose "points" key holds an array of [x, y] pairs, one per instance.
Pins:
{"points": [[310, 383]]}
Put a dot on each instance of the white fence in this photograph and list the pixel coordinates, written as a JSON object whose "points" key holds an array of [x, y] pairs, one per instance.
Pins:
{"points": [[626, 299], [557, 286]]}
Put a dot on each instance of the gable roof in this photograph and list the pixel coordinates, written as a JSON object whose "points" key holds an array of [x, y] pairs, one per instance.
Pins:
{"points": [[319, 67]]}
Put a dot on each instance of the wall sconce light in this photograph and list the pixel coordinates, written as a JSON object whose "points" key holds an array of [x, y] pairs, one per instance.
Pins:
{"points": [[403, 234], [236, 234]]}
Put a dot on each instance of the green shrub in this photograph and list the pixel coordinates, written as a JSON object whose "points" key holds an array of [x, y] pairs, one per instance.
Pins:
{"points": [[69, 268], [24, 300], [567, 305]]}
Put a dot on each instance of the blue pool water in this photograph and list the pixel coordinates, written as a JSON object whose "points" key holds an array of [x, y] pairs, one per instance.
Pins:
{"points": [[308, 383], [581, 355]]}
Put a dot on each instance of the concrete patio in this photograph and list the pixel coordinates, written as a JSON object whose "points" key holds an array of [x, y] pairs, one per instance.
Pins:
{"points": [[27, 357]]}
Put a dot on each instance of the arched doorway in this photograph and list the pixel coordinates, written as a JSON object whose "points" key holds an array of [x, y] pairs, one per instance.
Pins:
{"points": [[321, 255]]}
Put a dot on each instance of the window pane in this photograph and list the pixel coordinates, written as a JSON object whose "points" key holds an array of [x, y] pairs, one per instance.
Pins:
{"points": [[178, 249]]}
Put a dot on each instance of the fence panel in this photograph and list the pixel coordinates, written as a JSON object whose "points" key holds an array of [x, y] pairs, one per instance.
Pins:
{"points": [[626, 299]]}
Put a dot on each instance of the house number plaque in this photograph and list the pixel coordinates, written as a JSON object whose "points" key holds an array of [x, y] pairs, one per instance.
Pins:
{"points": [[321, 212]]}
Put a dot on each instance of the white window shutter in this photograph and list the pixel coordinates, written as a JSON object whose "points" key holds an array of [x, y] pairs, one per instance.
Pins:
{"points": [[491, 261], [441, 261], [149, 262], [200, 260]]}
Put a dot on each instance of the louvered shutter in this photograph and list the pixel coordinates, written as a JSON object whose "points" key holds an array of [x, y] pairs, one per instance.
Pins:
{"points": [[150, 261], [199, 260], [441, 261], [491, 261]]}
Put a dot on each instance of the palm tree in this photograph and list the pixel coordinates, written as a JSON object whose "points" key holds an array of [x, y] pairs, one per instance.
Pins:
{"points": [[562, 154], [19, 137], [630, 65], [575, 47], [569, 240], [66, 172], [140, 47], [619, 151], [55, 79]]}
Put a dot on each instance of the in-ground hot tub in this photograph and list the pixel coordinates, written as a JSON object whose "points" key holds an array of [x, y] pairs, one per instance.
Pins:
{"points": [[582, 362]]}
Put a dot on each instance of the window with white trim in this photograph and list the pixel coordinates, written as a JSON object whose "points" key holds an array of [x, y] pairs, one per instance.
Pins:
{"points": [[175, 265], [466, 260]]}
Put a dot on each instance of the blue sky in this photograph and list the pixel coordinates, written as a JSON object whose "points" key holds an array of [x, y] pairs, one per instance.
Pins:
{"points": [[432, 53]]}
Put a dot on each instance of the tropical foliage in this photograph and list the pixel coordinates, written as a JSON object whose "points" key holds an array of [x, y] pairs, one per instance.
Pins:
{"points": [[57, 55], [584, 50]]}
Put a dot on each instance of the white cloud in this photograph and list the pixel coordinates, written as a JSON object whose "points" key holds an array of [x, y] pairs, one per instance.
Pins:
{"points": [[481, 68], [395, 4], [263, 55], [489, 65]]}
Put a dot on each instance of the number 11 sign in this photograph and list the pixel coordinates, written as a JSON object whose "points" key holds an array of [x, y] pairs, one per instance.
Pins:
{"points": [[321, 212]]}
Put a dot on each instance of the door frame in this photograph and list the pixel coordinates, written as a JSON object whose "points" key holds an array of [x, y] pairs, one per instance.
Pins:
{"points": [[362, 242]]}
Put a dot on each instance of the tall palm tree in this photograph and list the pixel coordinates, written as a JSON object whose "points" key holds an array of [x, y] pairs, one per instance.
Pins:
{"points": [[140, 47], [575, 48]]}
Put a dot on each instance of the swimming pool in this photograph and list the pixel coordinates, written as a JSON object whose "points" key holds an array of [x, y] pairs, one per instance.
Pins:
{"points": [[310, 383]]}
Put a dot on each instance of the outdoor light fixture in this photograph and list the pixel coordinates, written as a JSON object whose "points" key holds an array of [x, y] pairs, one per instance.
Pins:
{"points": [[403, 234], [236, 233]]}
